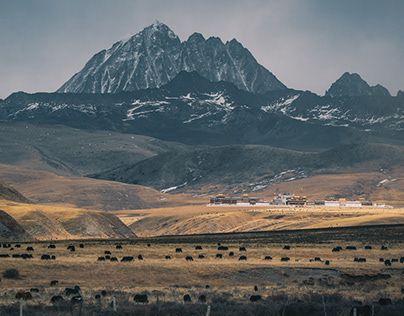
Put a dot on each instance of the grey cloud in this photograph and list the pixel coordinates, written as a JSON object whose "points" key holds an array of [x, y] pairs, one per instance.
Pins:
{"points": [[306, 44]]}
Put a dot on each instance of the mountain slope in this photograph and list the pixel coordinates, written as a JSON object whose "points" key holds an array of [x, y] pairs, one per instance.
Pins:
{"points": [[10, 230], [48, 221], [189, 109], [11, 194], [249, 166], [154, 56]]}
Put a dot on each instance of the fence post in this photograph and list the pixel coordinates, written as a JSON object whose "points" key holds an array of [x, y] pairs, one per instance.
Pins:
{"points": [[114, 303], [208, 311], [21, 308]]}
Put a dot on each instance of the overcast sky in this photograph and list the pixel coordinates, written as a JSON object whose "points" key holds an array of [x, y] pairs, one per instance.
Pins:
{"points": [[307, 44]]}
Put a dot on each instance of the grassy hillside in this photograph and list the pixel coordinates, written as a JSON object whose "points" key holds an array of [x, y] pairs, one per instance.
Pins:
{"points": [[63, 222], [11, 230], [66, 150]]}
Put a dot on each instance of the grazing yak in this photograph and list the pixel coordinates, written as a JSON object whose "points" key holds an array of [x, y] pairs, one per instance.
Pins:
{"points": [[21, 295], [219, 256], [242, 258], [141, 298], [202, 298], [71, 248], [350, 247], [387, 263], [384, 247], [168, 257], [76, 300], [189, 258], [118, 246], [231, 254], [327, 262], [359, 259], [187, 298], [201, 256], [178, 250], [337, 249], [285, 259], [81, 246], [198, 247], [222, 248], [242, 249], [127, 259], [57, 299], [29, 248], [267, 258], [286, 247], [367, 247], [101, 259], [114, 259], [140, 257], [75, 291], [52, 246], [54, 282], [46, 257], [255, 298], [107, 252]]}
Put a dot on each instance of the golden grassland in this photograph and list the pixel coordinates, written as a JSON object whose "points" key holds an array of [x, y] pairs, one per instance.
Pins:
{"points": [[198, 219], [60, 221], [176, 277], [46, 187]]}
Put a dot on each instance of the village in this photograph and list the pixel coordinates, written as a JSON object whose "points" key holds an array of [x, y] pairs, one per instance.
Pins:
{"points": [[290, 200]]}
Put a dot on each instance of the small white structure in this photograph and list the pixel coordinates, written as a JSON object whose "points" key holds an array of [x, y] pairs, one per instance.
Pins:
{"points": [[332, 203]]}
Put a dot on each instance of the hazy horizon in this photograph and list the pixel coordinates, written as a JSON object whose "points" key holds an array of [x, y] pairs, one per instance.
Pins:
{"points": [[306, 44]]}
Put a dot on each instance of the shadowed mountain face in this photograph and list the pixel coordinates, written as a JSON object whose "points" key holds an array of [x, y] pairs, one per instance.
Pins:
{"points": [[11, 194], [193, 110], [154, 56], [249, 166], [11, 230], [189, 109]]}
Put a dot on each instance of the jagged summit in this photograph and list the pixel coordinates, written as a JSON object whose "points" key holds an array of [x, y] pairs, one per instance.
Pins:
{"points": [[155, 55], [352, 84]]}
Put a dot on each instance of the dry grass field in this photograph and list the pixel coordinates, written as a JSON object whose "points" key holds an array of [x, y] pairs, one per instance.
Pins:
{"points": [[226, 278], [200, 219]]}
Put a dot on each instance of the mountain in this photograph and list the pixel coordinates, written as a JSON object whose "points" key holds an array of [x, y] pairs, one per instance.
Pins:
{"points": [[352, 85], [154, 56], [189, 109], [251, 167], [400, 94]]}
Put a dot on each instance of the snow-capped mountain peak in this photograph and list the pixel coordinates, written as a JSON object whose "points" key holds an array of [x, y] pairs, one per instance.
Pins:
{"points": [[155, 55]]}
